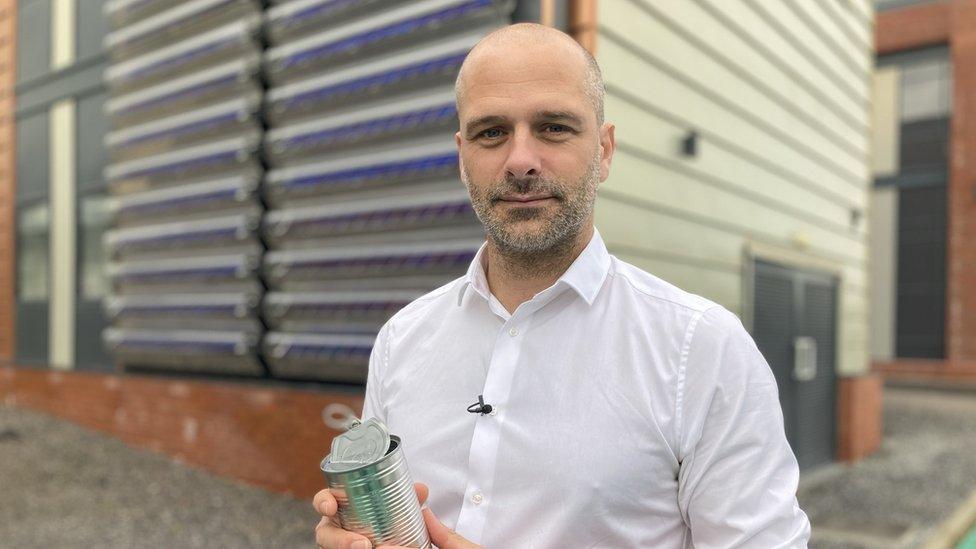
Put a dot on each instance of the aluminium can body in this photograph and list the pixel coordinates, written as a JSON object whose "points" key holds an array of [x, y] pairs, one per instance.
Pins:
{"points": [[378, 500]]}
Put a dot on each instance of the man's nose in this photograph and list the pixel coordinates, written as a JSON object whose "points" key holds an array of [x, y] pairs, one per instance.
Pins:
{"points": [[523, 156]]}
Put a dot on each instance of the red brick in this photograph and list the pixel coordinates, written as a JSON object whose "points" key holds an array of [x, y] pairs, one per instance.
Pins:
{"points": [[859, 416]]}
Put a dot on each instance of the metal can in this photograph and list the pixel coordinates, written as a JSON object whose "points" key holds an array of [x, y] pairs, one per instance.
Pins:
{"points": [[377, 500]]}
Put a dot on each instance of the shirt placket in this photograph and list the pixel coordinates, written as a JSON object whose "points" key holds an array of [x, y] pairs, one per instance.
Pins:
{"points": [[485, 442]]}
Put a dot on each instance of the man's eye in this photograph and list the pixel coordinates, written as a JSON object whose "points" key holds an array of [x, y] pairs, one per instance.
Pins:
{"points": [[491, 133], [556, 129]]}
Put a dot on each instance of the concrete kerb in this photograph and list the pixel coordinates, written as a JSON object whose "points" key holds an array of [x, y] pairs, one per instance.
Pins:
{"points": [[952, 530]]}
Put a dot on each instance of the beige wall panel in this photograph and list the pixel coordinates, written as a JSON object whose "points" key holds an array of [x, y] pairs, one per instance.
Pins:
{"points": [[761, 31], [637, 127], [845, 151], [840, 117], [63, 15], [807, 36], [644, 180], [831, 34], [857, 29], [886, 126], [884, 268], [627, 72]]}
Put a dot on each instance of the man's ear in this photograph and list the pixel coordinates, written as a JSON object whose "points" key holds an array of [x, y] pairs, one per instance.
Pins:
{"points": [[607, 147]]}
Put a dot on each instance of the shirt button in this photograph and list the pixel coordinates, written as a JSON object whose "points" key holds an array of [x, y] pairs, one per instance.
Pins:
{"points": [[513, 332], [477, 498]]}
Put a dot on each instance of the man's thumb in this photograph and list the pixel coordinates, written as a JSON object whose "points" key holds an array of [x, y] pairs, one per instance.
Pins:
{"points": [[442, 536]]}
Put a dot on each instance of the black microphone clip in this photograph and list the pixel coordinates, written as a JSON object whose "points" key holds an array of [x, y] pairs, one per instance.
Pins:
{"points": [[480, 407]]}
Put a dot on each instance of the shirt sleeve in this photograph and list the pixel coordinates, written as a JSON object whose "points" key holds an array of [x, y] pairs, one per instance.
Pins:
{"points": [[737, 476], [378, 359]]}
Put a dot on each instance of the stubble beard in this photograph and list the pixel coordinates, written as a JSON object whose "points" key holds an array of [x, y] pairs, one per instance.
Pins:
{"points": [[558, 236]]}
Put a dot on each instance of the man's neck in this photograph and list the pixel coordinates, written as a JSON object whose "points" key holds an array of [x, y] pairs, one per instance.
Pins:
{"points": [[515, 279]]}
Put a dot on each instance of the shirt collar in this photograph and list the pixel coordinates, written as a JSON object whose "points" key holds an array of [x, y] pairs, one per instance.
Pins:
{"points": [[585, 275]]}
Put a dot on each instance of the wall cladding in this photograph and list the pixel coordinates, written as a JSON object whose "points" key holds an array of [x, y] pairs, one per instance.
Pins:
{"points": [[284, 181]]}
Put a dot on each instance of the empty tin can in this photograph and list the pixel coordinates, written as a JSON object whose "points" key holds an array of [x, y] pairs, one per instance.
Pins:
{"points": [[377, 499]]}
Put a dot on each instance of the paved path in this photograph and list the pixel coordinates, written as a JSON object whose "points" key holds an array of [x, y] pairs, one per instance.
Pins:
{"points": [[65, 486], [924, 470]]}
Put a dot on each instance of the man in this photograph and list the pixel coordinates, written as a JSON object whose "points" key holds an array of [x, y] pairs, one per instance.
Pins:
{"points": [[625, 411]]}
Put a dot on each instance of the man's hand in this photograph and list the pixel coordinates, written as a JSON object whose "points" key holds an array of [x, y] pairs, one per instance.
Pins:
{"points": [[329, 535]]}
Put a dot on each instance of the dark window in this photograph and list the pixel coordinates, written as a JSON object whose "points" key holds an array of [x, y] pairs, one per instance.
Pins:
{"points": [[33, 39]]}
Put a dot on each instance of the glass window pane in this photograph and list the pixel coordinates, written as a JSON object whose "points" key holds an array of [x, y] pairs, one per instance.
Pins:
{"points": [[95, 219], [33, 253]]}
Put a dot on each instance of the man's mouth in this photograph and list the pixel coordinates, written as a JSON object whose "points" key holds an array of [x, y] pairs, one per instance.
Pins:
{"points": [[526, 200]]}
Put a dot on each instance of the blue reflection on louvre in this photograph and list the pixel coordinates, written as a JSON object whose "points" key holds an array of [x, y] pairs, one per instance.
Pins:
{"points": [[186, 93], [389, 217], [212, 160], [168, 28], [184, 130], [419, 260], [334, 351], [230, 233], [173, 203], [137, 310], [187, 57], [393, 169], [184, 272], [424, 68], [383, 33], [175, 346], [373, 127], [365, 306]]}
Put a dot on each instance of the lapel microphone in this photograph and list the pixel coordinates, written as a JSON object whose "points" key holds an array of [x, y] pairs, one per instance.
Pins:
{"points": [[480, 407]]}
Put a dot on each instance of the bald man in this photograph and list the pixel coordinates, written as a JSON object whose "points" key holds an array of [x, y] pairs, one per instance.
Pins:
{"points": [[624, 412]]}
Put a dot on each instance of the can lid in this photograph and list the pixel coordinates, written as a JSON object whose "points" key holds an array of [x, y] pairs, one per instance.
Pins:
{"points": [[363, 444]]}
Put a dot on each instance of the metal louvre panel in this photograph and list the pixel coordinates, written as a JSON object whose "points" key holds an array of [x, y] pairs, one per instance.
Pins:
{"points": [[371, 215], [232, 194], [220, 44], [232, 352], [331, 357], [379, 32], [224, 311], [330, 311], [395, 165], [126, 12], [234, 118], [218, 231], [222, 82], [426, 66], [375, 123], [408, 259], [294, 19], [236, 193], [184, 273], [179, 22], [235, 155]]}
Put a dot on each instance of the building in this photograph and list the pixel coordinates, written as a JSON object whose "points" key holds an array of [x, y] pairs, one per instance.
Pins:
{"points": [[925, 239], [270, 189]]}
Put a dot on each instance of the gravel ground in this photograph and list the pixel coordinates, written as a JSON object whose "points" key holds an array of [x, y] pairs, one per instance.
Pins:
{"points": [[897, 497], [64, 486]]}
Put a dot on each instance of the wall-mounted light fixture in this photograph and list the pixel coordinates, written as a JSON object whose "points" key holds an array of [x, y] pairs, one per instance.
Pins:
{"points": [[689, 145]]}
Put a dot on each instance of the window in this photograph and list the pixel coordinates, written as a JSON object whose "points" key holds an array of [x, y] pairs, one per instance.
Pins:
{"points": [[33, 253], [95, 218]]}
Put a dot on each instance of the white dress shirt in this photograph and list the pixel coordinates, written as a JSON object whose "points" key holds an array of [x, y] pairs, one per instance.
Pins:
{"points": [[626, 413]]}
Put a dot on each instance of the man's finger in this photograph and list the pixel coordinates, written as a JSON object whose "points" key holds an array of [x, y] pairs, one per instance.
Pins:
{"points": [[422, 491], [325, 503], [329, 536]]}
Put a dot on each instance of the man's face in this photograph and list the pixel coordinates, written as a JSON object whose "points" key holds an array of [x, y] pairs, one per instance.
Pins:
{"points": [[532, 153]]}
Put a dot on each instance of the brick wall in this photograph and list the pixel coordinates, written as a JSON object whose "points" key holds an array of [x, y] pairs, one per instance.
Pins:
{"points": [[951, 22], [8, 57], [271, 437], [859, 416]]}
